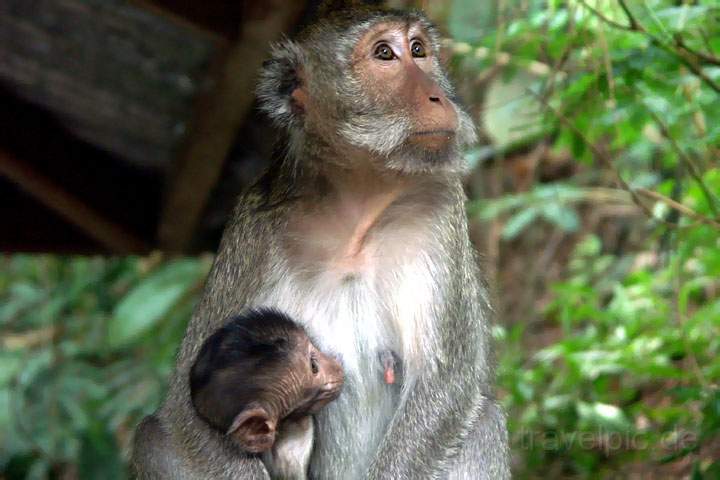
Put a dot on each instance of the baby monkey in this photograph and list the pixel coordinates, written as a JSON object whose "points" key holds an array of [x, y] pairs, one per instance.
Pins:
{"points": [[258, 380]]}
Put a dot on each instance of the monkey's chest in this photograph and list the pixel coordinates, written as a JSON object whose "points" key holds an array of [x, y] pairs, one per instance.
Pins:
{"points": [[380, 299]]}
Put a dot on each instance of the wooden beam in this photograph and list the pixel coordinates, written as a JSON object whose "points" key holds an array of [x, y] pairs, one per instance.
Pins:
{"points": [[219, 117], [107, 233], [118, 76]]}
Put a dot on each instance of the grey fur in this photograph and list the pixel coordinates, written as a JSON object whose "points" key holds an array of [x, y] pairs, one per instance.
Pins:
{"points": [[276, 81], [443, 421]]}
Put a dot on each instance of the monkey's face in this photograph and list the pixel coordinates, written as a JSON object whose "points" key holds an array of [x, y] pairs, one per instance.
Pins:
{"points": [[258, 369], [375, 87], [398, 101], [319, 378], [301, 385]]}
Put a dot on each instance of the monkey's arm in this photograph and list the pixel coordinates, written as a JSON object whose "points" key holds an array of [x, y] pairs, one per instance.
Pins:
{"points": [[431, 426], [231, 283], [445, 403]]}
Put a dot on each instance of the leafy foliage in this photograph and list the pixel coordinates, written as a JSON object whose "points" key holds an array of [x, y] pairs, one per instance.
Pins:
{"points": [[88, 345], [608, 362], [625, 378]]}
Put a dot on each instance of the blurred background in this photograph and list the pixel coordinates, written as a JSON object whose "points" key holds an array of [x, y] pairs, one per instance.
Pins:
{"points": [[128, 128]]}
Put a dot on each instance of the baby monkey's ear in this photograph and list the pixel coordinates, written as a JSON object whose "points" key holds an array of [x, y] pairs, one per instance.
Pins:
{"points": [[253, 429]]}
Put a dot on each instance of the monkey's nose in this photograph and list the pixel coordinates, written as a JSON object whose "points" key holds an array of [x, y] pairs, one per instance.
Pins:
{"points": [[435, 99]]}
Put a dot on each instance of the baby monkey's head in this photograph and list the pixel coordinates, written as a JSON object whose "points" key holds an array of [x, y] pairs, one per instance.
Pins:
{"points": [[257, 370]]}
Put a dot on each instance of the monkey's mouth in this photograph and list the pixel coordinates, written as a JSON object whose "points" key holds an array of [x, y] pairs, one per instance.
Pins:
{"points": [[434, 133], [325, 395], [331, 389], [432, 139]]}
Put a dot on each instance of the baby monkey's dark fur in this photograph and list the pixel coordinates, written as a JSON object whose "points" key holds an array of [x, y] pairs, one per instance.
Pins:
{"points": [[257, 375]]}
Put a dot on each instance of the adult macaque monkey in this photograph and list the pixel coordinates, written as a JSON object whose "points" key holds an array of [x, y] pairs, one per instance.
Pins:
{"points": [[360, 231]]}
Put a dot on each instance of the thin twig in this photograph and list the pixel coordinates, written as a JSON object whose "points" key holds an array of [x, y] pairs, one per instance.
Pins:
{"points": [[600, 155], [685, 210], [634, 25], [703, 57], [30, 339], [609, 21], [692, 168], [632, 191], [637, 26], [681, 319], [694, 68]]}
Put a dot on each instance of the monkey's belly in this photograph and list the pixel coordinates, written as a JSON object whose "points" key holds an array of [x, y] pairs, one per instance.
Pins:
{"points": [[350, 324], [357, 320], [350, 430]]}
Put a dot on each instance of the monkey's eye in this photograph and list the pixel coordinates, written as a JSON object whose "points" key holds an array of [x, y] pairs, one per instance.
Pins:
{"points": [[384, 52], [418, 50], [314, 364]]}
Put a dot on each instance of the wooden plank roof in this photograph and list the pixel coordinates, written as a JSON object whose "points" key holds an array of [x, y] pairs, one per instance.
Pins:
{"points": [[119, 117]]}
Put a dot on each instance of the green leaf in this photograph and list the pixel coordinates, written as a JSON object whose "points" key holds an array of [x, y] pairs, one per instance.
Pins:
{"points": [[578, 145], [469, 19], [564, 217], [713, 470], [589, 246], [677, 18], [603, 416], [11, 365], [475, 156], [492, 208], [100, 455], [146, 304], [518, 222], [593, 363]]}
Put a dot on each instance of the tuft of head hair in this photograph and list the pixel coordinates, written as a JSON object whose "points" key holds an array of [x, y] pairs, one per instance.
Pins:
{"points": [[331, 6], [256, 339], [235, 363]]}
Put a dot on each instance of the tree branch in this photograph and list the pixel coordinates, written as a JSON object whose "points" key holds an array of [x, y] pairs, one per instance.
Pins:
{"points": [[689, 163], [604, 18], [682, 53], [685, 210], [703, 57], [632, 191], [634, 24]]}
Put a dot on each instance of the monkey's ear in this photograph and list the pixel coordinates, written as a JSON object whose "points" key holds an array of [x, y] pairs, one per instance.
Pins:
{"points": [[253, 429], [281, 91]]}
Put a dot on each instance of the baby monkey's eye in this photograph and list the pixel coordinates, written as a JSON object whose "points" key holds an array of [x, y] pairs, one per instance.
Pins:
{"points": [[384, 52], [418, 49], [314, 364]]}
